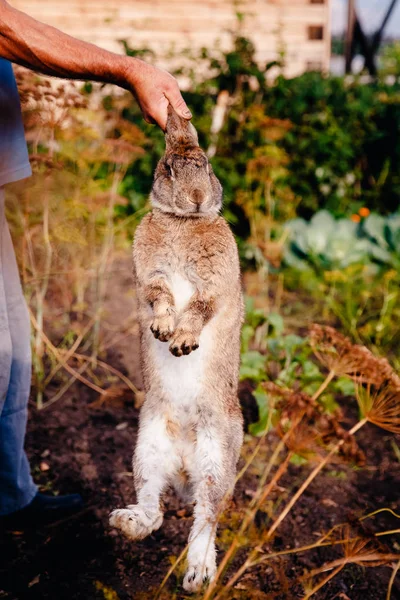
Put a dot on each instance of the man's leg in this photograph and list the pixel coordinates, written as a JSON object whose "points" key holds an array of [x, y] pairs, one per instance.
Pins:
{"points": [[20, 502], [17, 489]]}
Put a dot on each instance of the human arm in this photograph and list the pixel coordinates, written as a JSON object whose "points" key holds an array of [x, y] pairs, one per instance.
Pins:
{"points": [[44, 49]]}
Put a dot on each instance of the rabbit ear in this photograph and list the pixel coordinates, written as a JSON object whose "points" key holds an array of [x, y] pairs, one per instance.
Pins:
{"points": [[179, 133]]}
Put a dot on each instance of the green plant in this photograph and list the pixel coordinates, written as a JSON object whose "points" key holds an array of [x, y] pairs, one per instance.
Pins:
{"points": [[389, 60], [384, 233], [302, 429], [325, 244], [291, 146], [351, 271], [286, 359]]}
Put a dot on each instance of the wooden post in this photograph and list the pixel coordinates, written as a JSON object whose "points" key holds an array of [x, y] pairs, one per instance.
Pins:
{"points": [[349, 45]]}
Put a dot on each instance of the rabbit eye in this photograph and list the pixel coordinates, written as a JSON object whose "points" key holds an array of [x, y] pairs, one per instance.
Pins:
{"points": [[170, 171]]}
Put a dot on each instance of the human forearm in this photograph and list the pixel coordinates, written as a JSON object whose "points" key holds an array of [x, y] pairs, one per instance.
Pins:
{"points": [[43, 48]]}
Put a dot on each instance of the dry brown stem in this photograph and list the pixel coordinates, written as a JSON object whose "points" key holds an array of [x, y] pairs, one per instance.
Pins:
{"points": [[382, 406]]}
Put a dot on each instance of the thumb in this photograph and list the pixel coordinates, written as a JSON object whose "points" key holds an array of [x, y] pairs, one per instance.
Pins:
{"points": [[177, 102]]}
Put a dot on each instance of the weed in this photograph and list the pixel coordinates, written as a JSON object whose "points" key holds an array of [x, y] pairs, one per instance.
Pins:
{"points": [[65, 226]]}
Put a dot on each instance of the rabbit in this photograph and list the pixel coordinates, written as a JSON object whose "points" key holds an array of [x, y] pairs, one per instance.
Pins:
{"points": [[190, 310]]}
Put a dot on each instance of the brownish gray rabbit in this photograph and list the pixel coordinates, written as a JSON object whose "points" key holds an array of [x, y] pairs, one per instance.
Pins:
{"points": [[190, 312]]}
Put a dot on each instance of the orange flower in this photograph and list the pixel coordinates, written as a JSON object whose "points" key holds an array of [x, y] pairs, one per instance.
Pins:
{"points": [[364, 211], [355, 218]]}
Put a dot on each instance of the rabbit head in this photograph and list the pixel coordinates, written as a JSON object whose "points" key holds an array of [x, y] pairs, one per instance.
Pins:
{"points": [[184, 182]]}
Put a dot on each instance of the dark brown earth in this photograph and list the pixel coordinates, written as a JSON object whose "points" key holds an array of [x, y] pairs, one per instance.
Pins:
{"points": [[88, 450]]}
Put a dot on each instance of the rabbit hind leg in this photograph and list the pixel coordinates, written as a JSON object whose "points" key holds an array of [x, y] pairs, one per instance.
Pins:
{"points": [[155, 463], [213, 480]]}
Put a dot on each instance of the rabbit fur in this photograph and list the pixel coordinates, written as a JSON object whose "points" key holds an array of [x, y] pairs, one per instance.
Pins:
{"points": [[190, 309]]}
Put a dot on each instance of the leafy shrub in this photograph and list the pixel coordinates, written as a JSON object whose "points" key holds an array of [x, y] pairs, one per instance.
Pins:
{"points": [[271, 354], [306, 143], [342, 146], [389, 63], [350, 272]]}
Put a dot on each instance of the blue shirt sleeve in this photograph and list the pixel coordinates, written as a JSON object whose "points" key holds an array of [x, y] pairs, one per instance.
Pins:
{"points": [[14, 160]]}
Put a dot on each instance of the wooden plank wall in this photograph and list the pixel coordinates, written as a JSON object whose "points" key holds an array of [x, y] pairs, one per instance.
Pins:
{"points": [[163, 25]]}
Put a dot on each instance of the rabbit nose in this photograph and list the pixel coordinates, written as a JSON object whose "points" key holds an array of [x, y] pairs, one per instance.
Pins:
{"points": [[198, 196]]}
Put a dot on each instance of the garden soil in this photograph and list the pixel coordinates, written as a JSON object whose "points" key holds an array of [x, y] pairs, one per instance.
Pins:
{"points": [[82, 445]]}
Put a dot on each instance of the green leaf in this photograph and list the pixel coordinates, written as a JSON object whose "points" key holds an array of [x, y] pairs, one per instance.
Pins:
{"points": [[345, 386], [291, 342], [329, 403], [292, 259], [264, 417], [276, 322], [311, 371], [393, 232], [298, 460], [323, 221], [252, 366], [381, 254], [374, 226]]}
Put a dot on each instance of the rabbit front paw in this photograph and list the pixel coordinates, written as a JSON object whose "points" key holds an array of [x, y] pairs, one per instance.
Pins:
{"points": [[163, 327], [183, 342]]}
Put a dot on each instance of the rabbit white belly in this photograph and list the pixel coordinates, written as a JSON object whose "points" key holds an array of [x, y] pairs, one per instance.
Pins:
{"points": [[182, 380], [182, 290]]}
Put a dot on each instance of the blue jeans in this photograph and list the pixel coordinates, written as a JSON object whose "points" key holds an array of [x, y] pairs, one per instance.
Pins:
{"points": [[16, 485]]}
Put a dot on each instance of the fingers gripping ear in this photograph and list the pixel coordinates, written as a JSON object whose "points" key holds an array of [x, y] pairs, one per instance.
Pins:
{"points": [[179, 132], [177, 102]]}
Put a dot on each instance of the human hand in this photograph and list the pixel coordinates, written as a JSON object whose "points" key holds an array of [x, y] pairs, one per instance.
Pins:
{"points": [[154, 89]]}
